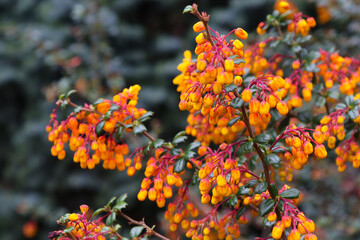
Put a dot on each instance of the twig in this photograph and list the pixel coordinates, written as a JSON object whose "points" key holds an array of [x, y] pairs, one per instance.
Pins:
{"points": [[204, 17], [262, 158], [149, 230]]}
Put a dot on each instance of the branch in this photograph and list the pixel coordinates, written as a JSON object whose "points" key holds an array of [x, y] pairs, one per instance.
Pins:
{"points": [[204, 17], [262, 157], [149, 230]]}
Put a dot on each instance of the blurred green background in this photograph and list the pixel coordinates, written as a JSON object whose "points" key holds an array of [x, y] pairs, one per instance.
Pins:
{"points": [[98, 47]]}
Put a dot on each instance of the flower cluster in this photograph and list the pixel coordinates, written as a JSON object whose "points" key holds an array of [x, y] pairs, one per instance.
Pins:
{"points": [[93, 132], [301, 144], [202, 85], [291, 218], [180, 210], [78, 226], [160, 173]]}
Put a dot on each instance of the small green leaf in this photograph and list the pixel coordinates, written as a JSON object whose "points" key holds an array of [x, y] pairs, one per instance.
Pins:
{"points": [[99, 127], [252, 162], [232, 201], [111, 201], [61, 96], [291, 193], [136, 231], [340, 106], [100, 100], [195, 179], [273, 159], [158, 143], [175, 151], [260, 187], [179, 137], [246, 147], [120, 206], [262, 138], [240, 212], [251, 183], [230, 87], [274, 190], [243, 191], [98, 211], [242, 159], [266, 206], [69, 229], [236, 103], [146, 116], [70, 93], [110, 219], [233, 121], [187, 9], [349, 99], [139, 128], [118, 132], [192, 146], [239, 60], [354, 113], [122, 197], [107, 115], [180, 165], [320, 101]]}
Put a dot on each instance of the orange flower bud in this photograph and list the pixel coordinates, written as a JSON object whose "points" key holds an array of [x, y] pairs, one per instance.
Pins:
{"points": [[199, 26], [277, 232], [246, 95], [241, 33], [320, 151]]}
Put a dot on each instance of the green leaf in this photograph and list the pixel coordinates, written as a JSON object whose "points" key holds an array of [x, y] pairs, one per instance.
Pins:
{"points": [[242, 159], [246, 147], [188, 8], [192, 146], [111, 201], [70, 93], [260, 187], [110, 219], [354, 113], [233, 121], [243, 191], [98, 211], [118, 132], [291, 193], [320, 101], [274, 190], [158, 143], [232, 201], [239, 60], [179, 140], [107, 115], [146, 149], [180, 137], [175, 151], [120, 205], [251, 183], [69, 229], [100, 100], [61, 96], [236, 103], [252, 162], [262, 138], [240, 212], [266, 206], [136, 231], [195, 179], [146, 116], [349, 99], [340, 106], [122, 198], [139, 128], [273, 159], [180, 165], [99, 127], [230, 87]]}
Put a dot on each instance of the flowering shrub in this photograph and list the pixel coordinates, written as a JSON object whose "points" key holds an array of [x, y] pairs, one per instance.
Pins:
{"points": [[258, 113]]}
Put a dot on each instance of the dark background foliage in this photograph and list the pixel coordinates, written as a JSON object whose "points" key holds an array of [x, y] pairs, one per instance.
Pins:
{"points": [[98, 47]]}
